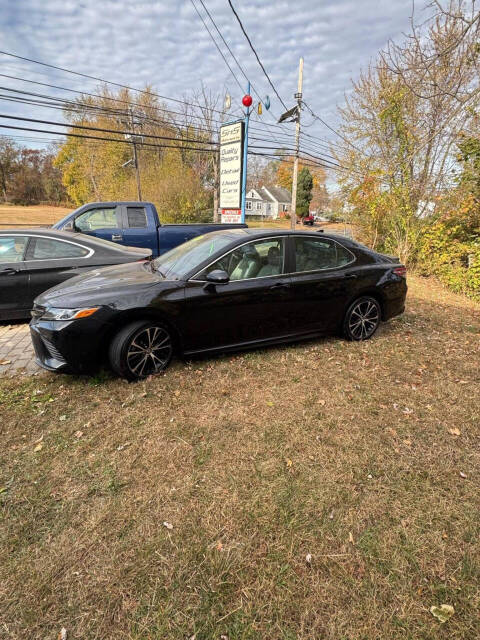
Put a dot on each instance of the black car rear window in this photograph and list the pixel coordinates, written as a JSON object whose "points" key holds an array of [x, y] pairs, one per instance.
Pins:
{"points": [[50, 249]]}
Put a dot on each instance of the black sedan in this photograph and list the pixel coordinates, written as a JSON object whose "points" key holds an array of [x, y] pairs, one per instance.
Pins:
{"points": [[223, 291], [32, 261]]}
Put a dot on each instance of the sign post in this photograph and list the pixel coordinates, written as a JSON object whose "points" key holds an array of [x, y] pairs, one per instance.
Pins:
{"points": [[231, 161], [247, 101]]}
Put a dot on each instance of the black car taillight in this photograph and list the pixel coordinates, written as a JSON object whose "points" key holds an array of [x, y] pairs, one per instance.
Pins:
{"points": [[400, 271]]}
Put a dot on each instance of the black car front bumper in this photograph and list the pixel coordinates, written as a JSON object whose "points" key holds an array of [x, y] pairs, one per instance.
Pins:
{"points": [[72, 346]]}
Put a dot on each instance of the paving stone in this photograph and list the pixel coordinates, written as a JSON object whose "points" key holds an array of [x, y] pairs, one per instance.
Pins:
{"points": [[16, 346]]}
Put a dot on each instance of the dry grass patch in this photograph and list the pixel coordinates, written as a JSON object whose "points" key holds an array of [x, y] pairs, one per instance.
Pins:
{"points": [[35, 215], [347, 452]]}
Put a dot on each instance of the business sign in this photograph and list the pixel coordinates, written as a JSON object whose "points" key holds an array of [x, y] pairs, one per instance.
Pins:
{"points": [[231, 160], [231, 216]]}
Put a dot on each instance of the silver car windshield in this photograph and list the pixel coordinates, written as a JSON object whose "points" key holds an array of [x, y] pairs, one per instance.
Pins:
{"points": [[179, 261]]}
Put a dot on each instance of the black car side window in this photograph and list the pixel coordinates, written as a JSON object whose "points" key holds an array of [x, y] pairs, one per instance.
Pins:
{"points": [[312, 254], [253, 260], [48, 249], [12, 248]]}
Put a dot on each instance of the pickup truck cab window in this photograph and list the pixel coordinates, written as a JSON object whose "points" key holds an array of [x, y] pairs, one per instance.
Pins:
{"points": [[94, 219], [136, 218]]}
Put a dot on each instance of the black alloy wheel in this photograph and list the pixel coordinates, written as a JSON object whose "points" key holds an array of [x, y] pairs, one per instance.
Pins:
{"points": [[362, 319], [141, 349]]}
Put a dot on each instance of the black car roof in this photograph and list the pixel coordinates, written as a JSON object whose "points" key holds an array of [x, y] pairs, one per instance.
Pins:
{"points": [[72, 236], [246, 233]]}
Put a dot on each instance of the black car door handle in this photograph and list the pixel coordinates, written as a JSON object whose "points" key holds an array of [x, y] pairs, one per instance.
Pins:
{"points": [[9, 271], [280, 285]]}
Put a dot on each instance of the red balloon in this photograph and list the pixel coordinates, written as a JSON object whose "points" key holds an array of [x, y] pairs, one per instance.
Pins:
{"points": [[247, 100]]}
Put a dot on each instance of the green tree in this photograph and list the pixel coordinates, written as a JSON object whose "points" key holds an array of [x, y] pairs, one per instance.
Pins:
{"points": [[304, 192]]}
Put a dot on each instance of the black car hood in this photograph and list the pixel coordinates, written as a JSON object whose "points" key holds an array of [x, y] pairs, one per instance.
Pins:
{"points": [[102, 283]]}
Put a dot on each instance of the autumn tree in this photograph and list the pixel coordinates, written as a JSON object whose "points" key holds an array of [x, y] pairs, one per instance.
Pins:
{"points": [[403, 136], [172, 175], [8, 163]]}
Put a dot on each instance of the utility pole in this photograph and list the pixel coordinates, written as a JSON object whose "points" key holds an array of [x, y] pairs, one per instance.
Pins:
{"points": [[298, 96], [135, 155]]}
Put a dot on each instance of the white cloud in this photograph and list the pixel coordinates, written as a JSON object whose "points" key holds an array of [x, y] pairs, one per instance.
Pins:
{"points": [[165, 44]]}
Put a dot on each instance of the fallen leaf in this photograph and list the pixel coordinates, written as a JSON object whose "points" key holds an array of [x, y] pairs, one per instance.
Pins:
{"points": [[408, 443], [288, 462], [121, 447], [444, 612], [454, 432], [308, 559], [3, 489], [219, 546], [38, 447], [322, 402], [78, 434], [350, 538], [177, 392], [63, 418], [269, 404], [168, 525], [462, 475], [5, 362], [63, 634]]}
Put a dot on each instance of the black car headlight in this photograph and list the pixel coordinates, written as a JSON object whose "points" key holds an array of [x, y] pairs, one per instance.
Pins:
{"points": [[54, 313]]}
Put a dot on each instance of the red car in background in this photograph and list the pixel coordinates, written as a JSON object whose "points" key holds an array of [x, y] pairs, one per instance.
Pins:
{"points": [[308, 220]]}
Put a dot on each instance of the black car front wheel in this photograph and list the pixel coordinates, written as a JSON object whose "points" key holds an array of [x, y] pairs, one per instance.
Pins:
{"points": [[362, 319], [141, 349]]}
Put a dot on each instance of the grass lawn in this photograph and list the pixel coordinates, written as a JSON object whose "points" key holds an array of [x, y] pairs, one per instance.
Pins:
{"points": [[36, 215], [185, 506]]}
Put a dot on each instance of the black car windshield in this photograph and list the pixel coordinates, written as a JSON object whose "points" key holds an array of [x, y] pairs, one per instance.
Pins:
{"points": [[179, 261]]}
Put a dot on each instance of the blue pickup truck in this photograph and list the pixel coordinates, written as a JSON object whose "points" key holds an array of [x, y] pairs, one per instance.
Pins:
{"points": [[135, 224]]}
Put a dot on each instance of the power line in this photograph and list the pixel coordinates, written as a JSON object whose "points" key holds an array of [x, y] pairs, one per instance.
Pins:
{"points": [[115, 131], [334, 130], [123, 141], [116, 84], [256, 54], [215, 43]]}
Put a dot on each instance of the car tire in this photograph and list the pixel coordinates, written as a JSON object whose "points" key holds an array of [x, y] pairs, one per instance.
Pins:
{"points": [[141, 349], [362, 319]]}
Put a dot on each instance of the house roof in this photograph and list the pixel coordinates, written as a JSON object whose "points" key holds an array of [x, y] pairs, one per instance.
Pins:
{"points": [[278, 193]]}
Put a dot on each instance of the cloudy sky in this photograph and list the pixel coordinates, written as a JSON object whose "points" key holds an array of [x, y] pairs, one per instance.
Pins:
{"points": [[165, 43]]}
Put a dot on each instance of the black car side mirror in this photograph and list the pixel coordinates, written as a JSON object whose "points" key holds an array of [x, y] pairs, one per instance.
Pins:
{"points": [[218, 276]]}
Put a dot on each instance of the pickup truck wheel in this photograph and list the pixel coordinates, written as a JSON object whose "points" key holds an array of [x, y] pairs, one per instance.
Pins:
{"points": [[362, 319], [141, 349]]}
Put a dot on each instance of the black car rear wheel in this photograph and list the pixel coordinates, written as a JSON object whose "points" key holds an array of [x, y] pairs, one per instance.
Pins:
{"points": [[141, 349], [362, 319]]}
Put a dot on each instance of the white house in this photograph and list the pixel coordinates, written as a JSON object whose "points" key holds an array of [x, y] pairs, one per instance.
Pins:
{"points": [[268, 202]]}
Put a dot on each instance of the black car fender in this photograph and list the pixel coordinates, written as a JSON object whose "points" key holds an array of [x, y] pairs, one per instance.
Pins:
{"points": [[123, 318]]}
